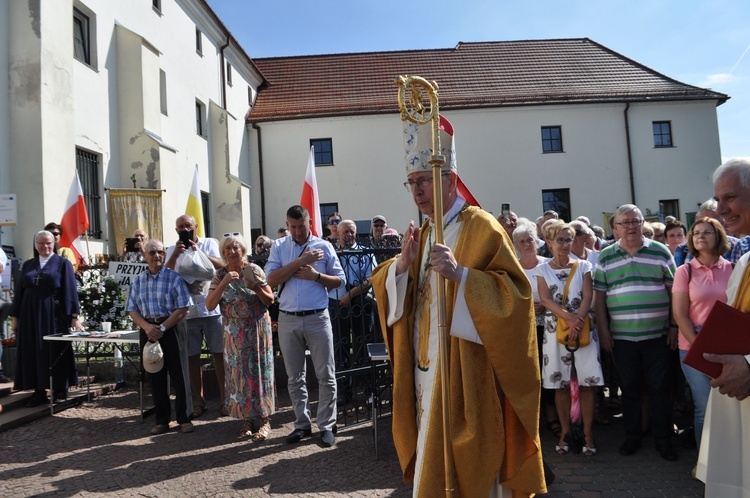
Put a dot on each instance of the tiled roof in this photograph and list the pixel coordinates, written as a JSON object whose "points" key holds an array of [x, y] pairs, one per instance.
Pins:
{"points": [[471, 75]]}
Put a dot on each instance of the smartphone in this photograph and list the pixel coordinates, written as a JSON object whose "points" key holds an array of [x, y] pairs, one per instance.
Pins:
{"points": [[130, 243], [505, 209], [185, 237]]}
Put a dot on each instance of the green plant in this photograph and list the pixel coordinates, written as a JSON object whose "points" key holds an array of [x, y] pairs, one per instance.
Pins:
{"points": [[102, 300]]}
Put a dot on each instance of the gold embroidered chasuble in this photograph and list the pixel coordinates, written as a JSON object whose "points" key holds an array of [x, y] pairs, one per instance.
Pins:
{"points": [[494, 386]]}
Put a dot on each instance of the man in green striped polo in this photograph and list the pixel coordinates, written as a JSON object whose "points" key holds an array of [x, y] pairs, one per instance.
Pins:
{"points": [[632, 294]]}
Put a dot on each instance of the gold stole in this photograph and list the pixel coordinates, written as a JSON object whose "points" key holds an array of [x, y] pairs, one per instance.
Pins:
{"points": [[742, 298]]}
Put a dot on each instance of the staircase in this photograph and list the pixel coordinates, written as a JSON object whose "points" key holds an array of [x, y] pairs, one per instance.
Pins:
{"points": [[14, 413]]}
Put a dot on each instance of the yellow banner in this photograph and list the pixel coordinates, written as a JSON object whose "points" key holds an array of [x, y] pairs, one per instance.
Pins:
{"points": [[131, 209]]}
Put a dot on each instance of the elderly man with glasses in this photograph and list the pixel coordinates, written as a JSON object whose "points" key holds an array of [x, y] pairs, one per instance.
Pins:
{"points": [[632, 301]]}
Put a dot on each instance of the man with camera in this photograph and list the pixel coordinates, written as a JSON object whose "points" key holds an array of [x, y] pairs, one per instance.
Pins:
{"points": [[200, 321], [132, 251]]}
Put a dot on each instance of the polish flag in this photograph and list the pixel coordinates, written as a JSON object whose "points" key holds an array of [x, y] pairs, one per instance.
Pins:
{"points": [[310, 199], [463, 190], [75, 221]]}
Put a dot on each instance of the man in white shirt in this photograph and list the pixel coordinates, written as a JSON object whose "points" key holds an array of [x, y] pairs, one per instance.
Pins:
{"points": [[200, 321]]}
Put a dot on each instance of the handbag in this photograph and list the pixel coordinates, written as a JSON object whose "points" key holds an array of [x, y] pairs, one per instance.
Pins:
{"points": [[584, 337]]}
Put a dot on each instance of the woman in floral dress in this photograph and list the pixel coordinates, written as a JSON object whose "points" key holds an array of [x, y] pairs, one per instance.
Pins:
{"points": [[556, 361], [241, 290]]}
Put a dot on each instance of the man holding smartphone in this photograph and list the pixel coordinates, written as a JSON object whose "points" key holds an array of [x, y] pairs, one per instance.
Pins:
{"points": [[200, 321], [132, 251]]}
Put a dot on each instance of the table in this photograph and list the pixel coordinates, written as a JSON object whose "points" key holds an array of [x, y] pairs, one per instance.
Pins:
{"points": [[117, 338], [377, 353]]}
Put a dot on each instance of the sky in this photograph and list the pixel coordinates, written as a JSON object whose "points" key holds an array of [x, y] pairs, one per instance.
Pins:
{"points": [[701, 43]]}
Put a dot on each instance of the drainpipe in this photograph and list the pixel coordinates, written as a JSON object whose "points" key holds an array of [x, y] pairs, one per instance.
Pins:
{"points": [[630, 155], [223, 74], [262, 186]]}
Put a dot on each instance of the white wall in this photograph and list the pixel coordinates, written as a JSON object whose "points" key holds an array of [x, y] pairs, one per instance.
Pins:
{"points": [[500, 159], [105, 107]]}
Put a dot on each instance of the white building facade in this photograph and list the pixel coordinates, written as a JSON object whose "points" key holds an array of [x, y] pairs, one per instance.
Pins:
{"points": [[616, 132], [151, 88]]}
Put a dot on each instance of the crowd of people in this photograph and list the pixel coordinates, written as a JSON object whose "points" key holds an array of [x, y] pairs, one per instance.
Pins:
{"points": [[544, 316]]}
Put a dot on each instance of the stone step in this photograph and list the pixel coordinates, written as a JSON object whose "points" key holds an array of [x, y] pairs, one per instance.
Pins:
{"points": [[14, 413]]}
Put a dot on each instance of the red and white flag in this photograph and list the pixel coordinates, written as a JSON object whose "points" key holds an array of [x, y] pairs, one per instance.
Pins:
{"points": [[463, 190], [310, 199], [75, 220]]}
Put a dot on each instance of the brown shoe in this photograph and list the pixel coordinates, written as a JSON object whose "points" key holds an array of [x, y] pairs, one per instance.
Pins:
{"points": [[159, 429], [186, 428], [198, 410]]}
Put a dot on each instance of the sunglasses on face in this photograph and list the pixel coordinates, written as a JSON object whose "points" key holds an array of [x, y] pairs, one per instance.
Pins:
{"points": [[334, 222], [233, 234], [56, 234]]}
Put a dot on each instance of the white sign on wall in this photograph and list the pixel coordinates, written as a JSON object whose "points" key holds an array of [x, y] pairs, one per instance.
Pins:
{"points": [[8, 214]]}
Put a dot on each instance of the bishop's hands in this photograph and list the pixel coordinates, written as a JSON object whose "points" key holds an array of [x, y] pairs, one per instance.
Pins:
{"points": [[442, 259], [409, 248]]}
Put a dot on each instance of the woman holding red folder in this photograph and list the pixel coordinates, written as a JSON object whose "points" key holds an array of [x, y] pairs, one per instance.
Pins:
{"points": [[698, 284]]}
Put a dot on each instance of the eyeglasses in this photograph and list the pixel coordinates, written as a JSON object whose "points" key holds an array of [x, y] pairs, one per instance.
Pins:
{"points": [[378, 226], [580, 232], [157, 252], [564, 242], [704, 233], [630, 223], [334, 222], [56, 234], [422, 183], [233, 234]]}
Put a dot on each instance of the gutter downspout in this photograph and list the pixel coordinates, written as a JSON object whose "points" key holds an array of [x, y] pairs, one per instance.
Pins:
{"points": [[262, 185], [630, 155], [223, 74]]}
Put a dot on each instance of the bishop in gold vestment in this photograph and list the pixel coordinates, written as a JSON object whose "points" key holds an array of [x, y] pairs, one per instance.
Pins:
{"points": [[493, 365]]}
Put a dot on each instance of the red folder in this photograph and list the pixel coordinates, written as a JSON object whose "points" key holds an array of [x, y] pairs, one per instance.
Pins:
{"points": [[726, 331]]}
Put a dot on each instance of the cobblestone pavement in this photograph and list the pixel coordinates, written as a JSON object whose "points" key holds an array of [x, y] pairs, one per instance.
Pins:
{"points": [[102, 448]]}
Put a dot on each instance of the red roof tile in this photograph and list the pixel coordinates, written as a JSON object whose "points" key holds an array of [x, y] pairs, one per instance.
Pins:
{"points": [[471, 75]]}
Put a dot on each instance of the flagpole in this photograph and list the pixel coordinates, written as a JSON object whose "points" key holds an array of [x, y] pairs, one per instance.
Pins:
{"points": [[415, 111]]}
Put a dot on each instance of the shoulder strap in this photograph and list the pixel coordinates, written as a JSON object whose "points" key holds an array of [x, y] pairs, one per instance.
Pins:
{"points": [[567, 282]]}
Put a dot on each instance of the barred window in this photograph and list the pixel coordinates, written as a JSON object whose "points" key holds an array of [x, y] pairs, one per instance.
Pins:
{"points": [[87, 164]]}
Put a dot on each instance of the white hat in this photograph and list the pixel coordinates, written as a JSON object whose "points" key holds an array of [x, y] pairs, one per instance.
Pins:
{"points": [[153, 357], [418, 147]]}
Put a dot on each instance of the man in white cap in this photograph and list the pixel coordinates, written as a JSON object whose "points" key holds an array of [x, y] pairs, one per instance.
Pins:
{"points": [[494, 375], [158, 301], [379, 226]]}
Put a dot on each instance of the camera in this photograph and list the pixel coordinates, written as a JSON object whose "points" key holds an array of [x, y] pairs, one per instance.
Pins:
{"points": [[505, 209], [130, 243]]}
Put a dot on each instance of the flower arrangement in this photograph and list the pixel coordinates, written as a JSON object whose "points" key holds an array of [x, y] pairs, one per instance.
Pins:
{"points": [[102, 300], [9, 343]]}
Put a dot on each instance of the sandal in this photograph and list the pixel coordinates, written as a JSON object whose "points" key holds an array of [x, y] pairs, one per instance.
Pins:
{"points": [[555, 428], [247, 428], [589, 450], [562, 449], [263, 432]]}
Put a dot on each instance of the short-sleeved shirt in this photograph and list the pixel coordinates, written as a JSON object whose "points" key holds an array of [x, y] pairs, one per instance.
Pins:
{"points": [[210, 247], [157, 296], [636, 288], [300, 294], [706, 286]]}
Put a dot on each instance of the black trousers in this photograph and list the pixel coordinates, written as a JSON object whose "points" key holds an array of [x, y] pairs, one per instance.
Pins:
{"points": [[173, 367]]}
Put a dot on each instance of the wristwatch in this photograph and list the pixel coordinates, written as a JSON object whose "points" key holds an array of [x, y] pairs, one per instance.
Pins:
{"points": [[162, 328]]}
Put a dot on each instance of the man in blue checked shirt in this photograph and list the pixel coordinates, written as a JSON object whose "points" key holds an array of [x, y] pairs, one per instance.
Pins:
{"points": [[158, 301], [305, 268]]}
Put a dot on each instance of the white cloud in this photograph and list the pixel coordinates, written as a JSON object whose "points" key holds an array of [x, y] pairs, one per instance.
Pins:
{"points": [[717, 79]]}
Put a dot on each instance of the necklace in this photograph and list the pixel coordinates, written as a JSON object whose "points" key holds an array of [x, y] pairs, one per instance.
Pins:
{"points": [[560, 267]]}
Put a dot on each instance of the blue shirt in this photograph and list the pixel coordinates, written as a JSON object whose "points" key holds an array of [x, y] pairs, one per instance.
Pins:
{"points": [[299, 294], [357, 268], [157, 296]]}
